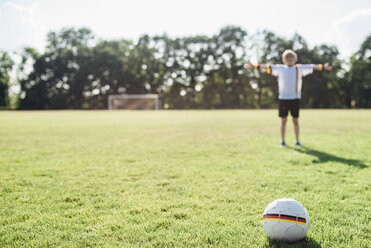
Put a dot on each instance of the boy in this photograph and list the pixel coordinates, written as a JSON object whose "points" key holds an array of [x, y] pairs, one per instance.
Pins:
{"points": [[289, 87]]}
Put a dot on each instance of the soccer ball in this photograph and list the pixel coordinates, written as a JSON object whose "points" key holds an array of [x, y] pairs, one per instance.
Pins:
{"points": [[285, 220]]}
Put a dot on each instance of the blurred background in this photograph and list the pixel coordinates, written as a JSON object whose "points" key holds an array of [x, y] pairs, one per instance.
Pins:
{"points": [[74, 54]]}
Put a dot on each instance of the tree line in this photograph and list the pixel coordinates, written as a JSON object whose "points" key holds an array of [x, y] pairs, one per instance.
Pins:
{"points": [[78, 71]]}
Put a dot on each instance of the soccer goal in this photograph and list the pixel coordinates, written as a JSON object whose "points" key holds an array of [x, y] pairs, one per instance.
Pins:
{"points": [[134, 102]]}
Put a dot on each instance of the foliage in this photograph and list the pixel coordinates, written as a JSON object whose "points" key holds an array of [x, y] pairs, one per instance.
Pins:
{"points": [[358, 78], [79, 71], [6, 65]]}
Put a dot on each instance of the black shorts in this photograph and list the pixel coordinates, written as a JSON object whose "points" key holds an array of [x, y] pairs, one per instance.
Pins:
{"points": [[284, 106]]}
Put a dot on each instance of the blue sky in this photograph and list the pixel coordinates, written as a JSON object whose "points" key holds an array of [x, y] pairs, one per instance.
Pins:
{"points": [[343, 23]]}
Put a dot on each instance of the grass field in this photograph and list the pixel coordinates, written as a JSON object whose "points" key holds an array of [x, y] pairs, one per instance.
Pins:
{"points": [[180, 178]]}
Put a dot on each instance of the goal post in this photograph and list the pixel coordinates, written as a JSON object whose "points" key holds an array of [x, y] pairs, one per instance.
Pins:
{"points": [[134, 101]]}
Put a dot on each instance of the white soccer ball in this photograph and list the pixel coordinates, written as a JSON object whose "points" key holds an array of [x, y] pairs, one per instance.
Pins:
{"points": [[286, 220]]}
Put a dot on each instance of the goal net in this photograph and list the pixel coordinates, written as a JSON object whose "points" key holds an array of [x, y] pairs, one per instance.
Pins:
{"points": [[141, 101]]}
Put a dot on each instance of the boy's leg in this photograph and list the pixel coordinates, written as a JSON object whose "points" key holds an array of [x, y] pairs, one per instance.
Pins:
{"points": [[296, 128], [283, 128], [283, 110], [295, 107]]}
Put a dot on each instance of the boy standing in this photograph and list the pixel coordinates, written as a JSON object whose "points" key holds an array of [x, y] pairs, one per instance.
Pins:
{"points": [[289, 87]]}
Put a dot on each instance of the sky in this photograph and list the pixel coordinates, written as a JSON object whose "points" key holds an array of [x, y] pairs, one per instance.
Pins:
{"points": [[343, 23]]}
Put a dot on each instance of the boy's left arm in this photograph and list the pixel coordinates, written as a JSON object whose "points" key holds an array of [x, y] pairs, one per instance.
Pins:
{"points": [[321, 67]]}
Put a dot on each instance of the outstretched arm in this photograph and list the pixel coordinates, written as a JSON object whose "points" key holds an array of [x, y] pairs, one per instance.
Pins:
{"points": [[319, 67], [258, 66], [322, 67], [267, 67]]}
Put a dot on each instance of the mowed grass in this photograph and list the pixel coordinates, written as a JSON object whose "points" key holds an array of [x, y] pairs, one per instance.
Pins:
{"points": [[180, 178]]}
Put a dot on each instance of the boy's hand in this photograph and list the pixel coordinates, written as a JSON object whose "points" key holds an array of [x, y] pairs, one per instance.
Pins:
{"points": [[328, 67], [249, 66]]}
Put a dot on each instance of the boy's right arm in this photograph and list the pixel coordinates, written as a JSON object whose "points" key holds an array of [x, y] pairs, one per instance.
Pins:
{"points": [[258, 66], [267, 67]]}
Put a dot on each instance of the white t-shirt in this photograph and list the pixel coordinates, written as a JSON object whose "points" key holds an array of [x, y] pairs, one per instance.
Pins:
{"points": [[290, 79]]}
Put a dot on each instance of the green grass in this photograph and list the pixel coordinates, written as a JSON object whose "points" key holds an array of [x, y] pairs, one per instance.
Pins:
{"points": [[180, 178]]}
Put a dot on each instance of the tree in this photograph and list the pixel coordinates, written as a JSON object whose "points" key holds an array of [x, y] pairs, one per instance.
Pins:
{"points": [[227, 75], [78, 71], [54, 79], [358, 78], [6, 66]]}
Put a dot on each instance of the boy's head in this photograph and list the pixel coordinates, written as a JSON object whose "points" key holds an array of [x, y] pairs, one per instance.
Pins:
{"points": [[289, 57]]}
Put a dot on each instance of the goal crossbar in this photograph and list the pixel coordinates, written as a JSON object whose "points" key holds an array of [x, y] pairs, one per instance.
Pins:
{"points": [[134, 96]]}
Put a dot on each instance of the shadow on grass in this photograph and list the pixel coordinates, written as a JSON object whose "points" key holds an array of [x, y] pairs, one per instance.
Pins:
{"points": [[323, 157], [305, 243]]}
